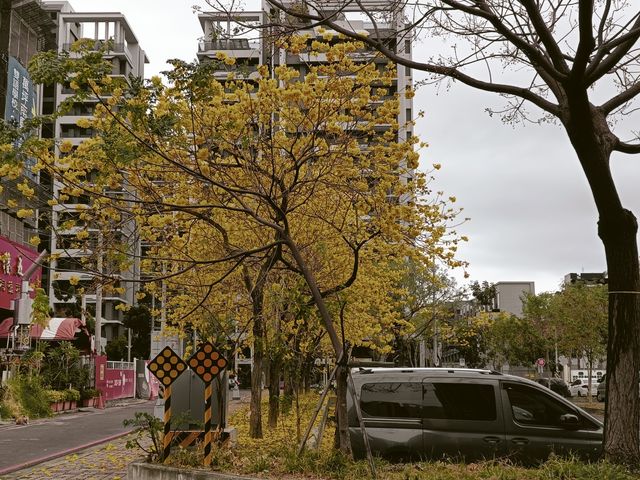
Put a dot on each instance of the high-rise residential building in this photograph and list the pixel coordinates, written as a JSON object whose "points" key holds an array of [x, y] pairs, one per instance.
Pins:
{"points": [[25, 29], [244, 36], [111, 32]]}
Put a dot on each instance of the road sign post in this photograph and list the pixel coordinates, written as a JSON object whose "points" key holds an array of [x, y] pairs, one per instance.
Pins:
{"points": [[208, 363], [166, 367]]}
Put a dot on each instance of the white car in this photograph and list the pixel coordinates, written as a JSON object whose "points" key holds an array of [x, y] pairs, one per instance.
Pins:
{"points": [[580, 387]]}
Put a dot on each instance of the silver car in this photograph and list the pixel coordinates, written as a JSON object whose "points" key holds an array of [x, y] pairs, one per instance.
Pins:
{"points": [[440, 412]]}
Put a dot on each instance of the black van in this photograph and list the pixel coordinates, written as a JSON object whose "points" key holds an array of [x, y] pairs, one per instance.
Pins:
{"points": [[453, 413]]}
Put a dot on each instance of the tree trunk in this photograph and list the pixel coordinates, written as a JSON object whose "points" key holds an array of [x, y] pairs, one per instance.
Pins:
{"points": [[255, 407], [274, 392], [342, 430], [622, 409], [341, 439], [593, 141]]}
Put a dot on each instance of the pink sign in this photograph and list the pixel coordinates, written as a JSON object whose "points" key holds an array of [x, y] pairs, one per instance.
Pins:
{"points": [[114, 383], [15, 259]]}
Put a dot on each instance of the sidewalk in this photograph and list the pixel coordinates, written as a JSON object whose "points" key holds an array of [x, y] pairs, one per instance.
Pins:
{"points": [[103, 462]]}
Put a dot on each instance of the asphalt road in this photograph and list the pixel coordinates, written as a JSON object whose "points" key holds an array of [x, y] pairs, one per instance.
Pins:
{"points": [[24, 444]]}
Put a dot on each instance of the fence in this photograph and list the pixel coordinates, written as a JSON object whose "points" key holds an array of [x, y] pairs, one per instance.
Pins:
{"points": [[115, 379]]}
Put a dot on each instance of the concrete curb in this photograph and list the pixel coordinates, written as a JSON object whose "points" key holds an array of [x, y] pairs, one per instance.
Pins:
{"points": [[69, 451], [150, 471]]}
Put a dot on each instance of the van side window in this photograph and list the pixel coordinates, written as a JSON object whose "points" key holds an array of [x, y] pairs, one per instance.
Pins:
{"points": [[391, 399], [530, 406], [459, 401]]}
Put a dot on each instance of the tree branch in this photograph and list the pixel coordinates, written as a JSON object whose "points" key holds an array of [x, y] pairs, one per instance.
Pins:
{"points": [[446, 71], [620, 99], [601, 65], [553, 50], [625, 147], [587, 43]]}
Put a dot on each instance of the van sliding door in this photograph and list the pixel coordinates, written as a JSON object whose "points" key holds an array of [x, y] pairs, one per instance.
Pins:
{"points": [[462, 418]]}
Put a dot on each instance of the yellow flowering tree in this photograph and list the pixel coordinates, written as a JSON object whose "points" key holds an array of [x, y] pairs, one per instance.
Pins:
{"points": [[231, 183]]}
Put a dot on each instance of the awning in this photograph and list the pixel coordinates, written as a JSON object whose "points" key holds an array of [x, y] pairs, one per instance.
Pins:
{"points": [[58, 329]]}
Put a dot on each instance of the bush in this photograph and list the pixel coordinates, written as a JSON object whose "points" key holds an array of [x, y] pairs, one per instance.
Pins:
{"points": [[55, 396], [26, 396], [89, 393], [72, 395]]}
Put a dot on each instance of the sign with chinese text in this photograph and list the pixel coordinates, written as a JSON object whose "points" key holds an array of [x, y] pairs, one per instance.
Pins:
{"points": [[15, 259], [20, 102]]}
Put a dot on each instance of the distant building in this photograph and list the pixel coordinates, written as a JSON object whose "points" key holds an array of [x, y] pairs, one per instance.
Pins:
{"points": [[586, 278], [509, 296]]}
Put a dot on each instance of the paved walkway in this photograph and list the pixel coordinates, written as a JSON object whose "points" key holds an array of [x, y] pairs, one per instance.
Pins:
{"points": [[104, 462]]}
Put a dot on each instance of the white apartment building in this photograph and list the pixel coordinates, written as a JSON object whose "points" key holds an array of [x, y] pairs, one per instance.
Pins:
{"points": [[241, 36], [127, 58]]}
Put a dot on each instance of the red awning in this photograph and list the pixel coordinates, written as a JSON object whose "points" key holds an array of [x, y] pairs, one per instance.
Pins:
{"points": [[58, 329]]}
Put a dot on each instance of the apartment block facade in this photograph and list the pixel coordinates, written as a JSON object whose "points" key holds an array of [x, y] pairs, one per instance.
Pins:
{"points": [[25, 29], [242, 36], [128, 59]]}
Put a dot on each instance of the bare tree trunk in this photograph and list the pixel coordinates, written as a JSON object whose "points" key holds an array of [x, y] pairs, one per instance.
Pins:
{"points": [[255, 406], [622, 409], [274, 392], [617, 227], [341, 439]]}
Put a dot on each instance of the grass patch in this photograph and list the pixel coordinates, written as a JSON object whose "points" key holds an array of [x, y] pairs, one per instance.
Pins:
{"points": [[275, 456]]}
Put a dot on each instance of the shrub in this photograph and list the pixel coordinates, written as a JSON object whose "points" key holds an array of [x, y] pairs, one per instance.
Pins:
{"points": [[28, 397], [55, 396], [72, 395], [88, 393]]}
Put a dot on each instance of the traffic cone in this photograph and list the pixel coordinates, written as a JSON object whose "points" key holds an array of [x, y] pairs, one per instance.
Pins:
{"points": [[100, 402]]}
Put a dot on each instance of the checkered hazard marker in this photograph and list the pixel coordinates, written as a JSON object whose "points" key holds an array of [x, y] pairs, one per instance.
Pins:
{"points": [[207, 363], [166, 367]]}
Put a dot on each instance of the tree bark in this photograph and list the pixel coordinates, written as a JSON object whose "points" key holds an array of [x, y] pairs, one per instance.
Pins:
{"points": [[274, 392], [622, 408], [341, 439], [617, 228]]}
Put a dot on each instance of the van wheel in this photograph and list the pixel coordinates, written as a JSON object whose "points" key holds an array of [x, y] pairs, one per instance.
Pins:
{"points": [[600, 397]]}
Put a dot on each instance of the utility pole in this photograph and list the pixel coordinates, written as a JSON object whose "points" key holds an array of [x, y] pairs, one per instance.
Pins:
{"points": [[98, 330]]}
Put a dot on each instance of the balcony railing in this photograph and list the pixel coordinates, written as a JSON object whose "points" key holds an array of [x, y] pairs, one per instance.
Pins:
{"points": [[225, 44], [109, 47]]}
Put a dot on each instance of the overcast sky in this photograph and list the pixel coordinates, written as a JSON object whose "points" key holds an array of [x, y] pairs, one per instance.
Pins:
{"points": [[532, 214]]}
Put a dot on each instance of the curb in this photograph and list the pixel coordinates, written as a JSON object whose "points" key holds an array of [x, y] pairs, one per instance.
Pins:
{"points": [[52, 456]]}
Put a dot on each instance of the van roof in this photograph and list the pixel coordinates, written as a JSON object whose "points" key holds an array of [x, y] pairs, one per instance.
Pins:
{"points": [[430, 370]]}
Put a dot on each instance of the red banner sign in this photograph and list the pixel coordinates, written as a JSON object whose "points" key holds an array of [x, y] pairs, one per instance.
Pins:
{"points": [[15, 259], [114, 383]]}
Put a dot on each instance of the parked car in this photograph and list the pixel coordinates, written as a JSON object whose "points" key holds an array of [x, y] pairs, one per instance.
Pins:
{"points": [[555, 385], [580, 387], [440, 412], [601, 392]]}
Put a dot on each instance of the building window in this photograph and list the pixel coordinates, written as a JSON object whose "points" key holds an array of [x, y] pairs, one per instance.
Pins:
{"points": [[407, 46]]}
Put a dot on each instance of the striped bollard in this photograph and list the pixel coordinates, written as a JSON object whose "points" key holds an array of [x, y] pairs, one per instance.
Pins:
{"points": [[166, 439], [208, 395], [166, 367], [207, 363]]}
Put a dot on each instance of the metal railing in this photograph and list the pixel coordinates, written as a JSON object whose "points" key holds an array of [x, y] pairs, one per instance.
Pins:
{"points": [[121, 365]]}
